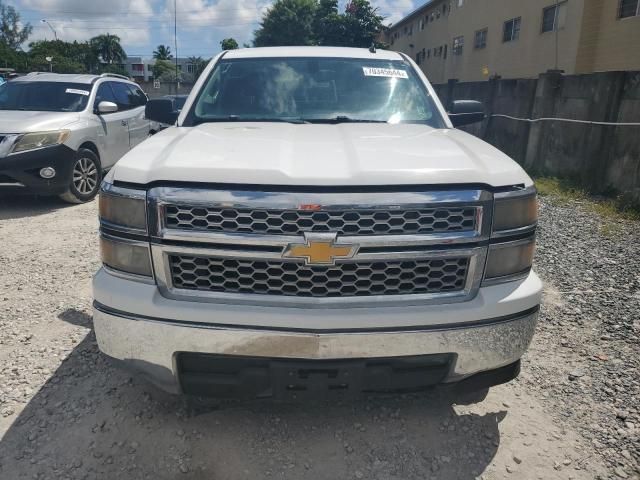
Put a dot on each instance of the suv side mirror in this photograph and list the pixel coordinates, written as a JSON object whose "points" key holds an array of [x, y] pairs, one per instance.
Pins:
{"points": [[465, 112], [161, 110], [107, 107]]}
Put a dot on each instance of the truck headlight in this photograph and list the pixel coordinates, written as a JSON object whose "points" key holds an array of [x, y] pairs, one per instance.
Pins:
{"points": [[126, 255], [33, 141], [508, 261], [123, 209], [514, 211], [124, 245]]}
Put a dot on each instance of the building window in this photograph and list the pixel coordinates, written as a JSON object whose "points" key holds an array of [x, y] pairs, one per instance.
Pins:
{"points": [[480, 39], [511, 30], [553, 17], [458, 44], [137, 67], [445, 51], [629, 8], [429, 53]]}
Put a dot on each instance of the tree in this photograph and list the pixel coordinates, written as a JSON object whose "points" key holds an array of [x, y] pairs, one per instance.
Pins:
{"points": [[165, 70], [362, 24], [119, 69], [163, 52], [229, 44], [318, 22], [108, 48], [199, 64], [329, 24], [69, 57], [288, 22], [12, 33]]}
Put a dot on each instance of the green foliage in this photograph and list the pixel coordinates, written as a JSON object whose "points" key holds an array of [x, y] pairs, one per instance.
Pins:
{"points": [[165, 71], [107, 47], [113, 68], [68, 57], [288, 22], [318, 22], [362, 24], [163, 52], [229, 44], [199, 64], [12, 32], [568, 191], [10, 58]]}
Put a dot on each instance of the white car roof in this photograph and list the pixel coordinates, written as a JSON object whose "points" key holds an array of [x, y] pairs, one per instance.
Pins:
{"points": [[332, 52], [66, 77]]}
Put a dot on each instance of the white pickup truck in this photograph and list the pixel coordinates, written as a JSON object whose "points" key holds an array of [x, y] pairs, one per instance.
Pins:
{"points": [[314, 224]]}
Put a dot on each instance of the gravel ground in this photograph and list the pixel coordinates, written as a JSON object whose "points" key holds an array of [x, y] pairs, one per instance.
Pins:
{"points": [[66, 413]]}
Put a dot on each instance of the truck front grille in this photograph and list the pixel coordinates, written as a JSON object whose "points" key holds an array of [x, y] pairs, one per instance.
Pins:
{"points": [[345, 279], [343, 222]]}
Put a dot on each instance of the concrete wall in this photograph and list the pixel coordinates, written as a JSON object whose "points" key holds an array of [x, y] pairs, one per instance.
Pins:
{"points": [[165, 89], [602, 158]]}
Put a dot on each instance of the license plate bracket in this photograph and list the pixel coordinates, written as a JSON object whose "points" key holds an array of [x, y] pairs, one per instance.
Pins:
{"points": [[317, 380]]}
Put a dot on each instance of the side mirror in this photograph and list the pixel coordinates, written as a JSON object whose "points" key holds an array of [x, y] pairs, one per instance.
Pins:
{"points": [[162, 111], [107, 107], [465, 112]]}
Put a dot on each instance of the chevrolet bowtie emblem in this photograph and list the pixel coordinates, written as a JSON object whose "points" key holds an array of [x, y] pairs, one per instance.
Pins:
{"points": [[319, 249]]}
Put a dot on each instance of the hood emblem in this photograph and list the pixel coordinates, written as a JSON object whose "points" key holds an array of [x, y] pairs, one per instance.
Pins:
{"points": [[320, 249]]}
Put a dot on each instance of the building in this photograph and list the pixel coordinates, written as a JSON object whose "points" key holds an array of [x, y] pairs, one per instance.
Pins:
{"points": [[141, 68], [472, 40]]}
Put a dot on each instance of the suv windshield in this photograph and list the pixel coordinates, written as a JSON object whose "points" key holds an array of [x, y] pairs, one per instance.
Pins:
{"points": [[315, 90], [44, 96]]}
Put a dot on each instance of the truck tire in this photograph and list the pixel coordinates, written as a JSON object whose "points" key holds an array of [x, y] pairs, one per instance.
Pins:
{"points": [[86, 176]]}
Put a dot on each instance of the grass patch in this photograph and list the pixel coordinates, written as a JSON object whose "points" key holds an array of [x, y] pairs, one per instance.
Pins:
{"points": [[610, 208]]}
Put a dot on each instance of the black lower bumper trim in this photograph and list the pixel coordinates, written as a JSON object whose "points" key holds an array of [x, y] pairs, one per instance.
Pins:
{"points": [[25, 168], [221, 376], [299, 380]]}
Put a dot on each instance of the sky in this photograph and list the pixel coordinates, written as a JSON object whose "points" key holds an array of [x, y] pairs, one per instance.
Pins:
{"points": [[144, 24]]}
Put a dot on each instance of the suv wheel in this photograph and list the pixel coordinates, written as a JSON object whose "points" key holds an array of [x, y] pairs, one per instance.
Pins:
{"points": [[85, 178]]}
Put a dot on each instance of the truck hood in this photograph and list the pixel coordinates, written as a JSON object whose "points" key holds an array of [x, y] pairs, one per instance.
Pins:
{"points": [[317, 155], [18, 121]]}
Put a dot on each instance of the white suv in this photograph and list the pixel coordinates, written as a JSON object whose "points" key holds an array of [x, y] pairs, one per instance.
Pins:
{"points": [[59, 133]]}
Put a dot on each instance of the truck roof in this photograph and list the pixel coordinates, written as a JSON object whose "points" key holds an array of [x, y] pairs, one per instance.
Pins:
{"points": [[331, 52]]}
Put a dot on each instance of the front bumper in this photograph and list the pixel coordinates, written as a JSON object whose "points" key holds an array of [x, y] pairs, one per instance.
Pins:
{"points": [[22, 169], [487, 333]]}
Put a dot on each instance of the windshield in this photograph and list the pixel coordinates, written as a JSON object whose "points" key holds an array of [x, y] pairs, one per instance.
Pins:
{"points": [[315, 90], [44, 96]]}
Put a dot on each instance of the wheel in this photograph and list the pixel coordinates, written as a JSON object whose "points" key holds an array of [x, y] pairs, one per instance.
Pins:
{"points": [[85, 178]]}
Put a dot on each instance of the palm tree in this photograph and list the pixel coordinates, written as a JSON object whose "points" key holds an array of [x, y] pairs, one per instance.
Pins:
{"points": [[199, 64], [163, 52], [108, 48]]}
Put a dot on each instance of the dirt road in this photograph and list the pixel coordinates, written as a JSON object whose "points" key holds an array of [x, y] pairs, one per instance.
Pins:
{"points": [[66, 413]]}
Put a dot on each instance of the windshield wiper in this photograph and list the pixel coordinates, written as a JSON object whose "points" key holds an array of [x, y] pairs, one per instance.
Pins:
{"points": [[342, 119], [237, 118]]}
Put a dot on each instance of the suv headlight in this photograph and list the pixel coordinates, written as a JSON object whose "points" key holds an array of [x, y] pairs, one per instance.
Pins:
{"points": [[124, 245], [515, 218], [33, 141]]}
